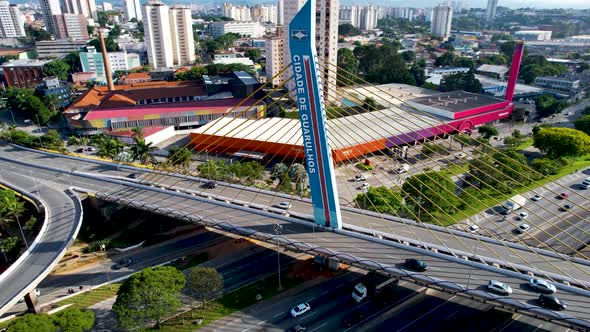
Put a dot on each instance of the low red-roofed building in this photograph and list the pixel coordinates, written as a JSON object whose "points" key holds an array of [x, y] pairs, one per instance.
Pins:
{"points": [[134, 78]]}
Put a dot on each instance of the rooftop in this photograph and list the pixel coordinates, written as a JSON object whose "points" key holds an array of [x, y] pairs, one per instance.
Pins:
{"points": [[4, 51], [457, 101], [25, 63], [502, 70], [245, 78]]}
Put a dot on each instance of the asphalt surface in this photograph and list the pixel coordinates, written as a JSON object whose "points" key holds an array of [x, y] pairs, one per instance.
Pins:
{"points": [[63, 222], [440, 268]]}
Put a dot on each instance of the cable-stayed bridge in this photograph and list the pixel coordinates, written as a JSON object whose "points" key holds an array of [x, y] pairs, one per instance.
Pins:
{"points": [[335, 127]]}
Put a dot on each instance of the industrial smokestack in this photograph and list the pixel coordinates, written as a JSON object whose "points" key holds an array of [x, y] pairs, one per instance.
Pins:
{"points": [[106, 61], [516, 59]]}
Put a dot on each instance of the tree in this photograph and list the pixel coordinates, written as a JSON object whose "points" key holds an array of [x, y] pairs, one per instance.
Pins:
{"points": [[203, 283], [409, 56], [32, 322], [24, 101], [253, 54], [298, 173], [348, 29], [73, 320], [349, 65], [110, 44], [115, 32], [73, 61], [7, 245], [583, 124], [180, 156], [194, 73], [108, 147], [58, 68], [487, 131], [431, 191], [37, 34], [380, 199], [461, 81], [447, 59], [149, 295], [561, 142], [370, 104], [463, 139], [11, 208], [278, 171], [143, 151], [52, 140]]}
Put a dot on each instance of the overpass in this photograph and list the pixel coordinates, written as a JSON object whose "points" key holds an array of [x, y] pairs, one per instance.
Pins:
{"points": [[354, 244], [62, 212]]}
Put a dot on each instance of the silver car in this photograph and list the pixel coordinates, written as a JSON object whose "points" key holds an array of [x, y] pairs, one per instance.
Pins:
{"points": [[499, 287]]}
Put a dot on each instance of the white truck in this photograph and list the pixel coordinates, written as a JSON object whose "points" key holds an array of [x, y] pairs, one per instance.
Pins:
{"points": [[402, 168], [514, 203], [372, 285]]}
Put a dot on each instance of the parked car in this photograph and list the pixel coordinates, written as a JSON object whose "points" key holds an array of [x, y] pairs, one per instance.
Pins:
{"points": [[537, 197], [359, 178], [133, 175], [473, 228], [542, 286], [283, 205], [90, 149], [522, 216], [209, 185], [80, 150], [300, 309], [499, 287], [564, 195], [551, 302], [585, 185], [415, 264], [566, 207], [523, 228], [365, 186]]}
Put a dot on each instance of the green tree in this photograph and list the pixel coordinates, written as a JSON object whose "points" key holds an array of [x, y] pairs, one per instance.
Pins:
{"points": [[180, 156], [463, 139], [143, 151], [203, 283], [73, 320], [110, 44], [461, 81], [431, 191], [349, 65], [447, 59], [561, 142], [194, 73], [279, 170], [487, 131], [370, 104], [348, 29], [583, 124], [32, 322], [11, 208], [149, 295], [409, 56], [24, 101], [108, 147], [253, 54], [298, 173], [8, 245], [380, 199], [58, 68], [73, 61], [52, 140]]}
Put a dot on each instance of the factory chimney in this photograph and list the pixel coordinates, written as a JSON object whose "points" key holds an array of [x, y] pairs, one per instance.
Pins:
{"points": [[516, 59], [106, 61]]}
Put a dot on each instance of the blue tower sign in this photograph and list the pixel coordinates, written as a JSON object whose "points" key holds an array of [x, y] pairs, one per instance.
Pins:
{"points": [[318, 154]]}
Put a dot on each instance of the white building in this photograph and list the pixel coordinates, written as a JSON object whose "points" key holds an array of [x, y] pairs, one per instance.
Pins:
{"points": [[280, 12], [369, 17], [80, 7], [491, 9], [49, 9], [251, 29], [238, 13], [92, 61], [132, 9], [533, 35], [350, 15], [168, 35], [275, 56], [107, 6], [11, 22], [441, 21]]}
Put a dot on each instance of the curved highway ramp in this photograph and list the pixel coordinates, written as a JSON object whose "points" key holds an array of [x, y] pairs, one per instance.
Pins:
{"points": [[63, 218]]}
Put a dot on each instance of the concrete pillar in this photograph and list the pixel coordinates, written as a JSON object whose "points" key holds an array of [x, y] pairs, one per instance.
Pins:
{"points": [[32, 302]]}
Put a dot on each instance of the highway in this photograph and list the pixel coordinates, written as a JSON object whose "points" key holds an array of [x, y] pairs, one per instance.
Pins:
{"points": [[356, 247], [64, 218]]}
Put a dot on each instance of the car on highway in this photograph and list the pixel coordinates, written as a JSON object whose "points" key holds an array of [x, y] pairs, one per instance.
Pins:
{"points": [[415, 264], [300, 309], [585, 185], [551, 302], [209, 185], [523, 228], [80, 150], [473, 228], [563, 195], [90, 149], [542, 286], [365, 186], [283, 205], [133, 175], [359, 178], [123, 263], [297, 328], [522, 216], [566, 207], [537, 197], [499, 287]]}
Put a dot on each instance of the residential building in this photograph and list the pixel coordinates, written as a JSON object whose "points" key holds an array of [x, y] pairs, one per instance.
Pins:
{"points": [[11, 22], [92, 61], [107, 6], [494, 71], [52, 86], [404, 12], [350, 15], [444, 71], [23, 73], [183, 42], [275, 52], [251, 29], [238, 13], [58, 48], [567, 84], [157, 34], [264, 13], [368, 18], [49, 9], [280, 12], [134, 78], [528, 35], [491, 10], [441, 21], [132, 9], [72, 26]]}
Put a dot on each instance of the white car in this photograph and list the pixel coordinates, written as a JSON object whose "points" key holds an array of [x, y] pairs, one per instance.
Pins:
{"points": [[359, 178], [522, 216], [523, 228], [284, 205], [542, 286], [300, 309], [499, 287], [365, 186], [537, 197], [473, 228]]}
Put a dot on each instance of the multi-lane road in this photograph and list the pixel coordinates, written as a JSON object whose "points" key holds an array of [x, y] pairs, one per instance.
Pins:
{"points": [[355, 246]]}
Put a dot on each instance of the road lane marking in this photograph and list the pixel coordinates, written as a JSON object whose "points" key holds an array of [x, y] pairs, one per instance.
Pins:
{"points": [[319, 327], [261, 322]]}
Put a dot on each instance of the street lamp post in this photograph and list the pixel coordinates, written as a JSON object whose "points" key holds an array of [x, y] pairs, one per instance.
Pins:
{"points": [[103, 248], [278, 229]]}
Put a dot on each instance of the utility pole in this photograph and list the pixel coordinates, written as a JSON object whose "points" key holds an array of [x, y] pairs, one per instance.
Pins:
{"points": [[278, 229], [103, 248]]}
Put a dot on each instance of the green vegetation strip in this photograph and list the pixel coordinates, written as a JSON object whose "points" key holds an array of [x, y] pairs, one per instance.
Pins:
{"points": [[87, 299], [229, 303]]}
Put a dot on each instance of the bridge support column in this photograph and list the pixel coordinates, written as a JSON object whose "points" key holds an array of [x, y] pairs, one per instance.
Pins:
{"points": [[32, 302], [312, 113]]}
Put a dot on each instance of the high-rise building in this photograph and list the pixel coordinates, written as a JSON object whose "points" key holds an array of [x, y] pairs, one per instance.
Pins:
{"points": [[369, 17], [49, 9], [491, 9], [71, 26], [92, 61], [280, 12], [11, 22], [107, 6], [350, 15], [82, 7], [237, 13], [275, 56], [132, 9], [168, 34], [441, 21], [251, 29]]}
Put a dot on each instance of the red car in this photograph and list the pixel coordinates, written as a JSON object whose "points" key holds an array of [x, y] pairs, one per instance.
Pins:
{"points": [[563, 195]]}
